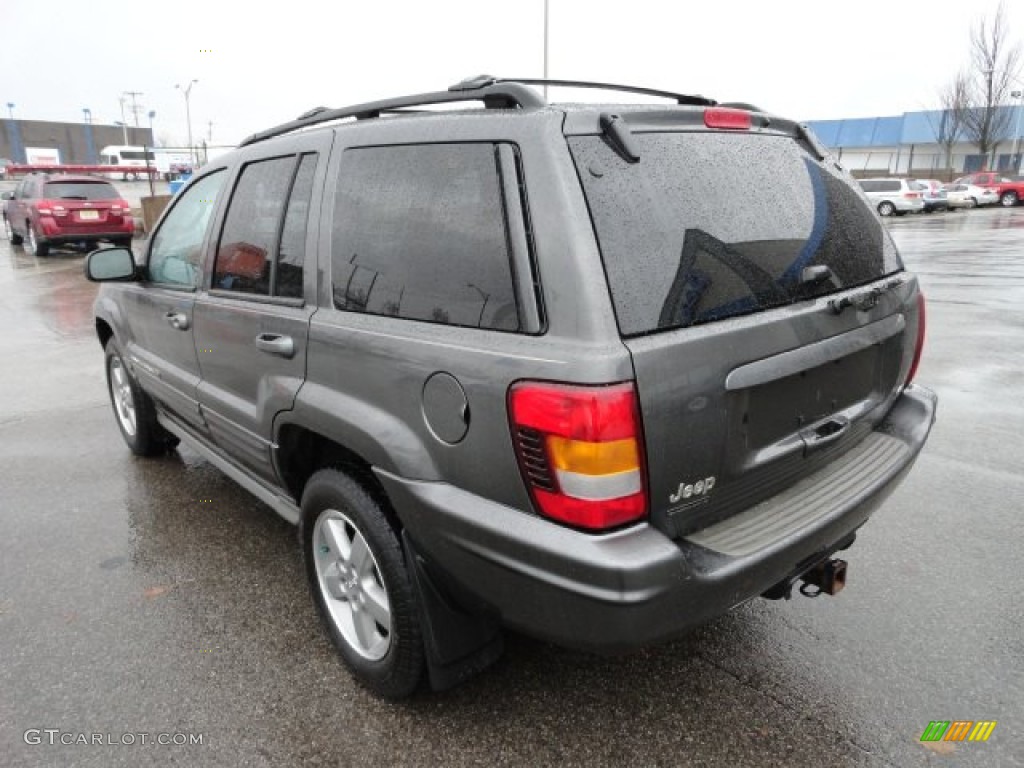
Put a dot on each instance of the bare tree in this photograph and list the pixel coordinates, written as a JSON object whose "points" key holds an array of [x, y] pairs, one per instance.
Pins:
{"points": [[994, 64], [948, 126]]}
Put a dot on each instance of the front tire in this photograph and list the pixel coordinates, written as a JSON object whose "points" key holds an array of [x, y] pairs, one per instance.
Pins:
{"points": [[134, 409], [36, 247], [1008, 199], [886, 208], [9, 232], [360, 584]]}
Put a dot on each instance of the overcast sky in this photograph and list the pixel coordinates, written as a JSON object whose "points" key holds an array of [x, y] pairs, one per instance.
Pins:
{"points": [[261, 64]]}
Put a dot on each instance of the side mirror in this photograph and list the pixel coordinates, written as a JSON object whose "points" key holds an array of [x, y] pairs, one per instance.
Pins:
{"points": [[110, 264], [7, 196]]}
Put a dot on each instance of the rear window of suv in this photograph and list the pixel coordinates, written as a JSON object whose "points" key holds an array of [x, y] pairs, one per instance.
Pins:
{"points": [[708, 226], [79, 190]]}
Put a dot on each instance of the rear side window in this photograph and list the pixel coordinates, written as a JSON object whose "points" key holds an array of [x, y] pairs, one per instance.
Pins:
{"points": [[419, 233], [710, 225], [257, 228], [79, 190]]}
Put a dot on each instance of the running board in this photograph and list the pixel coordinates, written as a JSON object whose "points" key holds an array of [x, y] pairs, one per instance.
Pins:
{"points": [[284, 507]]}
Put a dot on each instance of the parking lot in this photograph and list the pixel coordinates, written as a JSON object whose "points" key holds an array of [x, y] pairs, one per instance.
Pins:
{"points": [[157, 597]]}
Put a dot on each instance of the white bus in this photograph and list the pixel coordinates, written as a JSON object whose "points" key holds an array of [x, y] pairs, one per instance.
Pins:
{"points": [[128, 157]]}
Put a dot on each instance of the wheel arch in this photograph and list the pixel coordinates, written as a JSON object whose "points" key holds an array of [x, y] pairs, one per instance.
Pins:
{"points": [[300, 452]]}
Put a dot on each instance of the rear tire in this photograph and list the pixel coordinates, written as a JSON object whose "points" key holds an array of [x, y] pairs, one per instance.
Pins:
{"points": [[1008, 199], [972, 203], [14, 238], [123, 242], [37, 247], [886, 208], [360, 584], [134, 409]]}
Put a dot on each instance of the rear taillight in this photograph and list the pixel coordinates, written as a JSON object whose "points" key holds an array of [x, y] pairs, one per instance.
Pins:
{"points": [[911, 195], [120, 207], [919, 342], [49, 208], [726, 117], [580, 452]]}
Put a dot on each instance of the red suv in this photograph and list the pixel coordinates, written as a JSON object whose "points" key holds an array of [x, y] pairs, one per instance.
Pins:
{"points": [[52, 209]]}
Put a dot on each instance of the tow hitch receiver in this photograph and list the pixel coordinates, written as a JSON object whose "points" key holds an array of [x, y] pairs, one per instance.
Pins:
{"points": [[828, 576]]}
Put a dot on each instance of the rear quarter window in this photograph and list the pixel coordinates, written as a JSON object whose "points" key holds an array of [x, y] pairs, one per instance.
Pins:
{"points": [[419, 233], [708, 226]]}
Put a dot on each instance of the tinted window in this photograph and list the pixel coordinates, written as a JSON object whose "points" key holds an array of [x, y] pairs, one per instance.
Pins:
{"points": [[293, 236], [133, 154], [709, 225], [247, 242], [419, 232], [79, 190], [869, 186], [175, 256]]}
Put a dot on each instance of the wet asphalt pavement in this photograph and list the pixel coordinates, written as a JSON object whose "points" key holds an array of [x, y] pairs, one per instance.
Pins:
{"points": [[156, 597]]}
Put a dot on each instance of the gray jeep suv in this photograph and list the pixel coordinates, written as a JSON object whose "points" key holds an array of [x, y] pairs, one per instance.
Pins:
{"points": [[546, 367]]}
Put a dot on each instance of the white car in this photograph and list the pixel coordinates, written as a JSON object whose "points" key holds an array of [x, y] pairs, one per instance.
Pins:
{"points": [[970, 196], [894, 196]]}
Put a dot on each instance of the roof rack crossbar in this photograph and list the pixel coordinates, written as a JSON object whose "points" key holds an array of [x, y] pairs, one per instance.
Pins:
{"points": [[504, 95], [484, 81]]}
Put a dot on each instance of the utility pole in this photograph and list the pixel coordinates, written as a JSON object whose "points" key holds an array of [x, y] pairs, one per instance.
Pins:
{"points": [[135, 106], [209, 131]]}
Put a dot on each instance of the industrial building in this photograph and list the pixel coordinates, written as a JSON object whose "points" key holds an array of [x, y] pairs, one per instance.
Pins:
{"points": [[906, 145], [77, 143]]}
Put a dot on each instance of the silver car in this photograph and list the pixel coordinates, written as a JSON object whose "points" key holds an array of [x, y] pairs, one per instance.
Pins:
{"points": [[894, 196], [970, 196]]}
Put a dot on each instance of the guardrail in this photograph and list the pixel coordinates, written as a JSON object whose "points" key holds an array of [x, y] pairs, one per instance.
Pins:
{"points": [[129, 170]]}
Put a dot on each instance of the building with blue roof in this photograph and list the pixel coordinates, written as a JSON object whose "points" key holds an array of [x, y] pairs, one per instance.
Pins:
{"points": [[907, 145]]}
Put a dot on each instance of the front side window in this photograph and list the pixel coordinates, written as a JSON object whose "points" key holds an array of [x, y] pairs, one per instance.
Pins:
{"points": [[419, 233], [175, 257]]}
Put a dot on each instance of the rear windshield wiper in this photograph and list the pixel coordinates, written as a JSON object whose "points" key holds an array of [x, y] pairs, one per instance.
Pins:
{"points": [[865, 300], [73, 197]]}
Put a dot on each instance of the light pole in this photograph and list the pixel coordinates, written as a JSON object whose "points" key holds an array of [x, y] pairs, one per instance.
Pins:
{"points": [[87, 115], [124, 130], [187, 91], [152, 140], [1019, 95], [545, 48], [10, 109]]}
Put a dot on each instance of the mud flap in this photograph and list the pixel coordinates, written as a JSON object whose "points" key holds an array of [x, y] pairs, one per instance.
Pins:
{"points": [[458, 644]]}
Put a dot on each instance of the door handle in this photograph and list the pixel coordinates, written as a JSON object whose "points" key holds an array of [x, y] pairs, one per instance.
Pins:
{"points": [[824, 433], [178, 320], [276, 344]]}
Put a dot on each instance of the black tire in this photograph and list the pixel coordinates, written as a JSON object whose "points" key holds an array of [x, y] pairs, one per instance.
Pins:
{"points": [[885, 208], [337, 508], [11, 234], [36, 247], [141, 431], [972, 203], [123, 242], [1008, 199]]}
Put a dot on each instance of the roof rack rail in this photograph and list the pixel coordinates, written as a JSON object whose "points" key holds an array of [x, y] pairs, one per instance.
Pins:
{"points": [[486, 81], [497, 95]]}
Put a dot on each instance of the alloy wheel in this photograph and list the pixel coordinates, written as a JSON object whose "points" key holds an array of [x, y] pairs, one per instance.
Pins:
{"points": [[351, 585]]}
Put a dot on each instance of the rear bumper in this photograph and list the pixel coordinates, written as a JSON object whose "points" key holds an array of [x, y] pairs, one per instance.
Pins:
{"points": [[632, 587], [908, 206]]}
